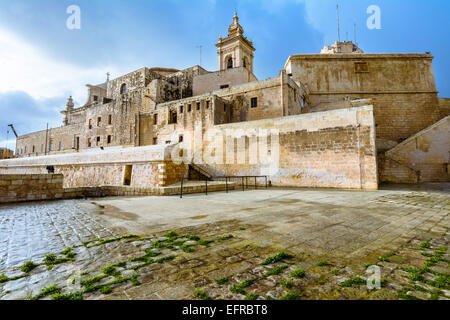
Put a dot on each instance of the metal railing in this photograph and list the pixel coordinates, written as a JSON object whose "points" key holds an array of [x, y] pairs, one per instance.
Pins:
{"points": [[244, 182]]}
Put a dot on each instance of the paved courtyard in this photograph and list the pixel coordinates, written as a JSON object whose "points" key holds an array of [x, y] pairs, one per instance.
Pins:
{"points": [[258, 244]]}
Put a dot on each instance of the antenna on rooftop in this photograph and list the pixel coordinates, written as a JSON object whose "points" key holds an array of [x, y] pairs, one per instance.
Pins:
{"points": [[339, 30], [354, 26], [200, 54], [107, 76]]}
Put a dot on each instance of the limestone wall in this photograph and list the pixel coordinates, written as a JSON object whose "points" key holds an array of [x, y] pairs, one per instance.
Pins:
{"points": [[146, 167], [402, 87], [213, 81], [334, 149], [22, 187], [422, 158], [444, 106]]}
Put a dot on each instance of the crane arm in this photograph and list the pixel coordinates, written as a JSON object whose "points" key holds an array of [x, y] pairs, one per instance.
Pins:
{"points": [[14, 130]]}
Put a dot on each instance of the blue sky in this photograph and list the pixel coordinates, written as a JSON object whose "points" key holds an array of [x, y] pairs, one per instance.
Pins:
{"points": [[42, 62]]}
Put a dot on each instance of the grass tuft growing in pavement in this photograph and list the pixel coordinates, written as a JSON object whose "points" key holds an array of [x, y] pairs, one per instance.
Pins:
{"points": [[201, 294], [353, 281], [277, 258], [222, 281], [298, 273], [239, 288], [28, 266], [47, 292], [227, 237], [324, 264], [290, 296], [252, 296], [275, 271]]}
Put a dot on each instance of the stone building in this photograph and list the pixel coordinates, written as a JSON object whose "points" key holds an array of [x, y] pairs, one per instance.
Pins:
{"points": [[6, 153], [344, 118]]}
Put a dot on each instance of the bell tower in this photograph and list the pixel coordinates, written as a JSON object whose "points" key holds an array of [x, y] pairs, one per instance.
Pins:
{"points": [[235, 51]]}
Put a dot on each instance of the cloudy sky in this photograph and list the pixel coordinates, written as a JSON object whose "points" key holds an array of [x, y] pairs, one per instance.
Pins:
{"points": [[42, 62]]}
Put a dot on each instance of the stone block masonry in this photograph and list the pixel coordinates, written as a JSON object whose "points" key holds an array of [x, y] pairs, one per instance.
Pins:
{"points": [[15, 188]]}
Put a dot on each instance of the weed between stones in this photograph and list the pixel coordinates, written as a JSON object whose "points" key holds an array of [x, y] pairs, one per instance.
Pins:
{"points": [[277, 258]]}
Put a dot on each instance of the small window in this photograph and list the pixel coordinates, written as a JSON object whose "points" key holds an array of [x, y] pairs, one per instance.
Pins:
{"points": [[224, 86], [173, 117], [168, 142], [207, 104], [181, 138], [51, 145], [110, 119], [155, 141], [42, 148], [60, 146], [361, 67], [190, 108], [33, 149], [182, 109], [230, 63], [109, 139], [98, 141], [198, 105], [123, 88], [128, 173], [155, 119], [245, 63], [95, 98], [99, 121], [25, 149], [89, 143], [90, 123], [254, 102]]}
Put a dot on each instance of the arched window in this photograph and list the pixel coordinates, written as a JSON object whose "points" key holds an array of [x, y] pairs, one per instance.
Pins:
{"points": [[230, 63], [123, 89]]}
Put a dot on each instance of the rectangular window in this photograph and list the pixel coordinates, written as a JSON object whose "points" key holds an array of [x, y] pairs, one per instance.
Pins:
{"points": [[60, 146], [198, 105], [110, 119], [33, 149], [155, 141], [95, 98], [25, 149], [207, 104], [99, 121], [180, 139], [190, 108], [51, 145], [225, 86], [42, 148], [254, 102], [90, 123], [361, 67], [172, 117], [98, 141], [155, 119], [109, 139], [89, 143], [128, 173], [181, 109]]}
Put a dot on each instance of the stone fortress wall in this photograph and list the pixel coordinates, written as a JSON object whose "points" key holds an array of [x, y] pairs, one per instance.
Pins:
{"points": [[340, 116], [24, 187]]}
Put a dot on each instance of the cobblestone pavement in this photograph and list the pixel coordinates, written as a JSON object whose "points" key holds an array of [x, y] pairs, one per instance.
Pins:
{"points": [[30, 231], [308, 244]]}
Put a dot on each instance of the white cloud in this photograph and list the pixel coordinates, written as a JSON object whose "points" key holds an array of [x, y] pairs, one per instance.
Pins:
{"points": [[24, 67]]}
